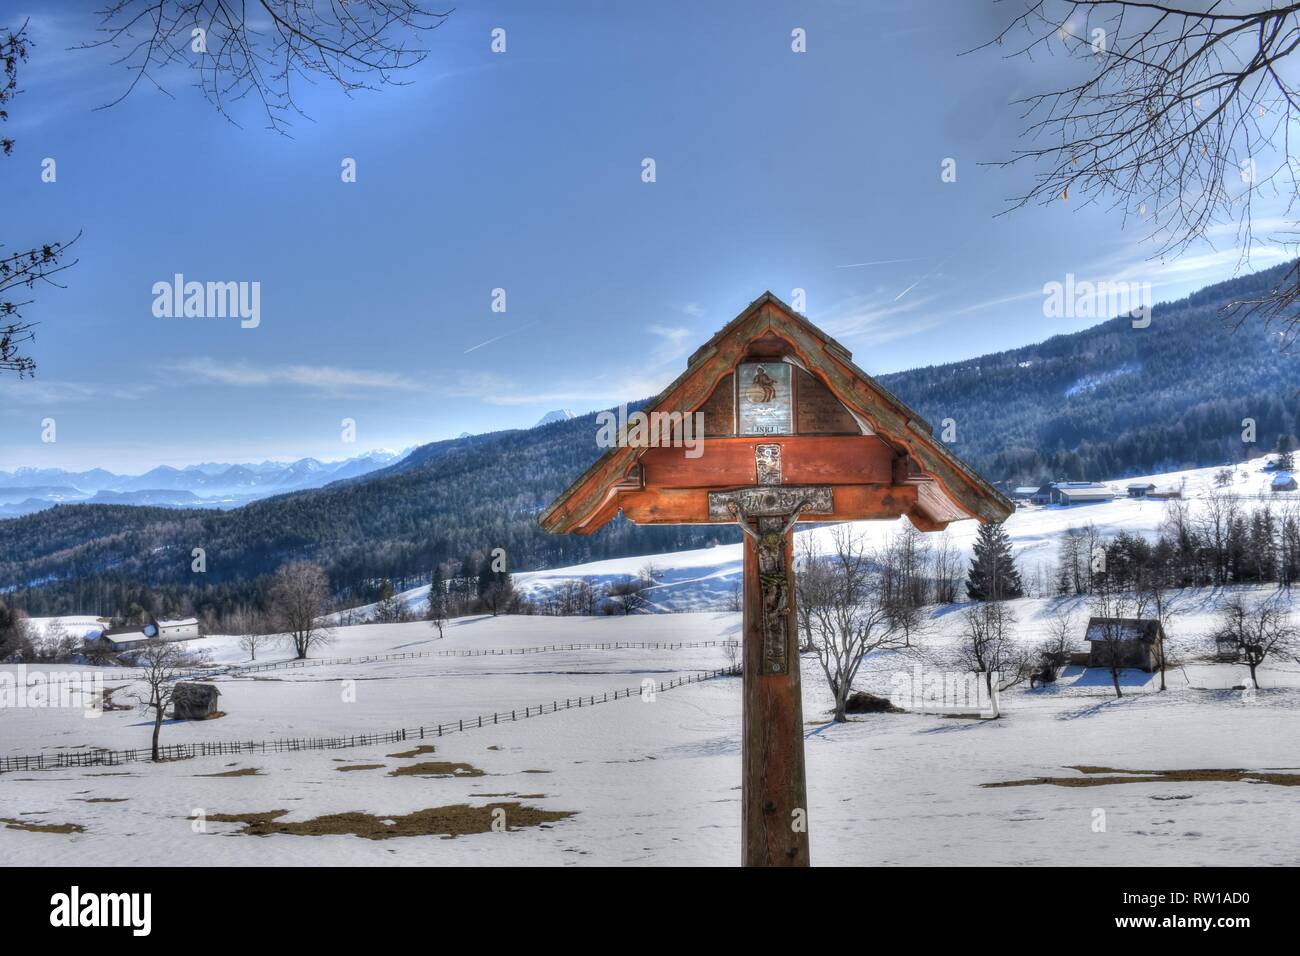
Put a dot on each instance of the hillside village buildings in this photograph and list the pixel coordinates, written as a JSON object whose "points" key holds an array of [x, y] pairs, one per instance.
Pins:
{"points": [[132, 637], [1124, 642], [1069, 493]]}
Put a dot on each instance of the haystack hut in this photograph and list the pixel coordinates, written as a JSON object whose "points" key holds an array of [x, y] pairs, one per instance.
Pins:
{"points": [[194, 701]]}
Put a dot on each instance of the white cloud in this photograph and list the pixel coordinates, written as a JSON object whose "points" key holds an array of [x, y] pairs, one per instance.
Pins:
{"points": [[325, 378], [34, 391], [603, 390], [876, 317]]}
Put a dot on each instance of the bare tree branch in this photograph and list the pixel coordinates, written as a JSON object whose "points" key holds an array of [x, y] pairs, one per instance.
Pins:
{"points": [[1172, 120], [258, 51], [21, 270]]}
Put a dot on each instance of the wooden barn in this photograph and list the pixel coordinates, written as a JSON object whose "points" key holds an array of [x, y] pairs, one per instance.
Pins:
{"points": [[1132, 641], [194, 701]]}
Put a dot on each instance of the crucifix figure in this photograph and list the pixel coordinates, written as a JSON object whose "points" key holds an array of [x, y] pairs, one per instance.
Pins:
{"points": [[774, 813], [770, 545]]}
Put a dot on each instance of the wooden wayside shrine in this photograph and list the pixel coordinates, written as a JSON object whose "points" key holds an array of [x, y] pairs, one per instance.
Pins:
{"points": [[792, 431]]}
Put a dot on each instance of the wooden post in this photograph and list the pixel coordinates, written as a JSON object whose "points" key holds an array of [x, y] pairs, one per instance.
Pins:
{"points": [[774, 794]]}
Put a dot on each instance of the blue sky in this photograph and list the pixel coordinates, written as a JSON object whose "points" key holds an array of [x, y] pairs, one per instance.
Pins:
{"points": [[522, 171]]}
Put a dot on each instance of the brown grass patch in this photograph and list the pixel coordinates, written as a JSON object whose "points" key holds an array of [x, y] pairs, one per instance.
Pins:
{"points": [[250, 819], [106, 699], [1106, 776], [241, 772], [535, 771], [437, 768], [416, 752], [450, 821], [101, 799], [31, 827], [360, 766]]}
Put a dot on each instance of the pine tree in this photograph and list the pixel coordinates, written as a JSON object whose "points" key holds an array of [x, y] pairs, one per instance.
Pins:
{"points": [[1285, 458], [437, 614], [389, 609], [993, 575]]}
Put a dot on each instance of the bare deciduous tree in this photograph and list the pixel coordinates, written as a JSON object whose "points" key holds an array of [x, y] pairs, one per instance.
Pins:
{"points": [[56, 644], [262, 51], [299, 600], [161, 664], [1113, 606], [628, 596], [1054, 652], [1258, 633], [851, 620], [1176, 109], [812, 589], [1154, 598], [21, 270], [989, 647], [252, 628], [946, 569]]}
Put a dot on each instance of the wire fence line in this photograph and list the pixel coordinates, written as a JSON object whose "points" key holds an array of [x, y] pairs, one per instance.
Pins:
{"points": [[236, 670], [254, 668], [90, 758]]}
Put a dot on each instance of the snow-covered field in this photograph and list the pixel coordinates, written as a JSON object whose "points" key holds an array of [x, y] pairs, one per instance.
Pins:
{"points": [[657, 782], [689, 580]]}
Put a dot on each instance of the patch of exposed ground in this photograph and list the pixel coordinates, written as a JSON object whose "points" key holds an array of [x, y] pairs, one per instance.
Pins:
{"points": [[106, 699], [241, 772], [437, 768], [535, 771], [360, 766], [101, 799], [31, 827], [450, 821], [1105, 776], [416, 751]]}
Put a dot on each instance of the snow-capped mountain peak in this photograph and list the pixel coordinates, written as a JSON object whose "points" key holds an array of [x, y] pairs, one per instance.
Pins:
{"points": [[559, 415]]}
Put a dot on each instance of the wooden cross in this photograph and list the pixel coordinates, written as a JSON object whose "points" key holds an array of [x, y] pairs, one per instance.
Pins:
{"points": [[794, 431]]}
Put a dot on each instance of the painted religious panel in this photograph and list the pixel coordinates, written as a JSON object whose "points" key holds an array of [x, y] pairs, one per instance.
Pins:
{"points": [[764, 399]]}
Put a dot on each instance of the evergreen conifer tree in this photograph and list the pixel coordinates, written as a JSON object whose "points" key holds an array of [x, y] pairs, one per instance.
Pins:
{"points": [[993, 575]]}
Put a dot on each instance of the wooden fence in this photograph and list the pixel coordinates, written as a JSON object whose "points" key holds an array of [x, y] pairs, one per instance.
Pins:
{"points": [[89, 758], [474, 652]]}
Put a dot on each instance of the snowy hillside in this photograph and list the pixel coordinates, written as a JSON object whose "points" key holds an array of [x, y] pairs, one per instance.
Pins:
{"points": [[705, 578], [656, 781]]}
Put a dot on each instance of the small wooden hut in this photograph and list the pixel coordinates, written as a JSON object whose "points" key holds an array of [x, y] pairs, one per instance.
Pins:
{"points": [[194, 701]]}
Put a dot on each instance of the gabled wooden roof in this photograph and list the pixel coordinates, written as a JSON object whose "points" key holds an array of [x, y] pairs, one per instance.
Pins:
{"points": [[947, 488]]}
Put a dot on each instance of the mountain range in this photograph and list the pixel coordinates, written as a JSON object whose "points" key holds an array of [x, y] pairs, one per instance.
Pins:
{"points": [[207, 485], [1103, 403]]}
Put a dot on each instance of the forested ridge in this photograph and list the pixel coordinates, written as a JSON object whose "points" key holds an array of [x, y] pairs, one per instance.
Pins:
{"points": [[1103, 403], [1113, 400]]}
